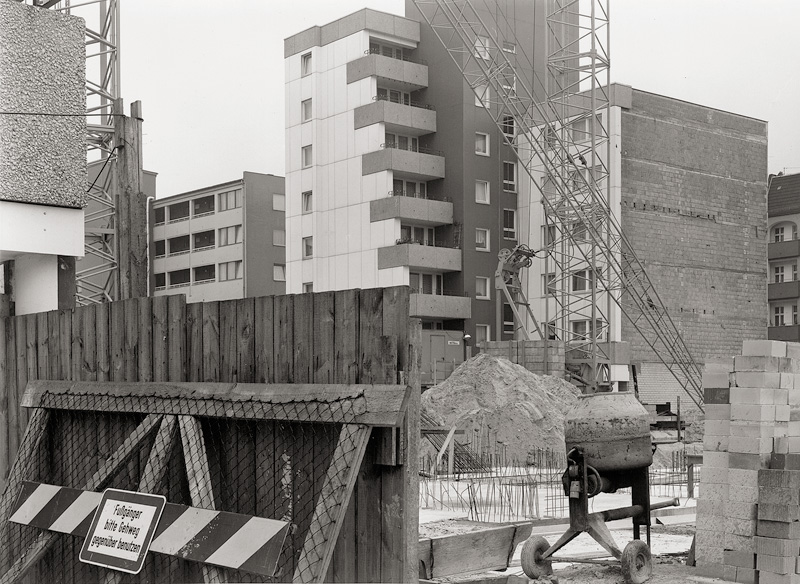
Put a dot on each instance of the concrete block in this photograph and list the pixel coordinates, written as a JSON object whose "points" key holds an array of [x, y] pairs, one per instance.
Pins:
{"points": [[784, 479], [778, 529], [716, 395], [793, 444], [780, 396], [742, 543], [745, 429], [783, 413], [739, 559], [718, 411], [717, 523], [773, 364], [773, 578], [793, 427], [776, 564], [781, 445], [777, 546], [716, 379], [794, 394], [740, 495], [764, 348], [746, 576], [750, 445], [793, 350], [794, 413], [710, 507], [757, 379], [719, 491], [739, 526], [778, 495], [729, 573], [752, 395], [748, 461], [709, 570], [773, 512], [717, 427], [715, 459], [787, 381], [715, 442], [714, 475], [747, 509], [753, 413], [743, 478]]}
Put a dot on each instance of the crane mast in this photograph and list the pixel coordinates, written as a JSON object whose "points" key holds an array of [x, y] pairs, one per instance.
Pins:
{"points": [[583, 238]]}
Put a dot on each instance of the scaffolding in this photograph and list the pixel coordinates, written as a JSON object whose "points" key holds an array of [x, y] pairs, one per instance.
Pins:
{"points": [[541, 119]]}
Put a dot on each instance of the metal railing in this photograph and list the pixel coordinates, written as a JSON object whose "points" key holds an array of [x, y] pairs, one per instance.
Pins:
{"points": [[411, 240], [411, 103], [404, 57], [419, 149]]}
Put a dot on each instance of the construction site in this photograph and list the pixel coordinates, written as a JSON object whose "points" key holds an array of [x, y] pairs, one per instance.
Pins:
{"points": [[596, 399]]}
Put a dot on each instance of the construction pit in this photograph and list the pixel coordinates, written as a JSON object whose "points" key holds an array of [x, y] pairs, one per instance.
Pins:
{"points": [[492, 455]]}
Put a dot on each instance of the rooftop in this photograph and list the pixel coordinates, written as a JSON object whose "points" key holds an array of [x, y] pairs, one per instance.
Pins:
{"points": [[783, 197]]}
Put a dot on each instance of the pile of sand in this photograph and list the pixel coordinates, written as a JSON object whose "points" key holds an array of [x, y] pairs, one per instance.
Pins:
{"points": [[494, 400]]}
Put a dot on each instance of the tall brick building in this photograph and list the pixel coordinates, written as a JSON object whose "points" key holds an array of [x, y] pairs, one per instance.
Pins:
{"points": [[688, 183]]}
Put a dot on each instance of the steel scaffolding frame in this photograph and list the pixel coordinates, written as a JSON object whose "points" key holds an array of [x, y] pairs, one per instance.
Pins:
{"points": [[575, 194], [99, 281]]}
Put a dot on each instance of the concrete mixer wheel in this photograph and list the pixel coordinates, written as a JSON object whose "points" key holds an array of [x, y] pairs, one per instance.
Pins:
{"points": [[637, 563], [531, 558]]}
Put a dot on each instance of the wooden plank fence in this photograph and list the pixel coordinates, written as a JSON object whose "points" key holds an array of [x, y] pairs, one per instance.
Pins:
{"points": [[345, 337]]}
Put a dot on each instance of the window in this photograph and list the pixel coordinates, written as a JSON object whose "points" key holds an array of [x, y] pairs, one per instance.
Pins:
{"points": [[481, 143], [416, 234], [481, 239], [307, 156], [159, 215], [305, 64], [203, 240], [230, 200], [160, 281], [482, 47], [794, 313], [160, 248], [777, 234], [409, 188], [278, 202], [385, 50], [549, 284], [510, 176], [204, 274], [777, 274], [279, 237], [179, 278], [426, 283], [548, 235], [508, 319], [230, 271], [394, 95], [178, 211], [580, 329], [482, 95], [308, 247], [402, 142], [509, 47], [482, 288], [482, 333], [508, 126], [432, 325], [178, 245], [482, 192], [308, 201], [509, 81], [778, 319], [794, 272], [230, 235], [203, 205], [581, 279], [579, 232], [279, 272], [308, 287], [305, 110], [509, 223]]}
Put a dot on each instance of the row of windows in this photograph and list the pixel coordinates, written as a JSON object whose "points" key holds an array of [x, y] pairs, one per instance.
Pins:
{"points": [[198, 207], [580, 329], [199, 275], [780, 318], [205, 240], [780, 273]]}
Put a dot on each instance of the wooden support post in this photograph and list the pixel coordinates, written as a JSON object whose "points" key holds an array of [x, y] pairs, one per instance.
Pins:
{"points": [[106, 471], [194, 452], [333, 501]]}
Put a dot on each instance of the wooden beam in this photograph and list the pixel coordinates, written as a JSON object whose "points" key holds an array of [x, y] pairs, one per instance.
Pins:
{"points": [[371, 404], [334, 499], [196, 457], [98, 480]]}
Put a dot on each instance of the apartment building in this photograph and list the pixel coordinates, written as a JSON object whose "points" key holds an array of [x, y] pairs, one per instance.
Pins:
{"points": [[783, 252], [395, 174], [220, 242]]}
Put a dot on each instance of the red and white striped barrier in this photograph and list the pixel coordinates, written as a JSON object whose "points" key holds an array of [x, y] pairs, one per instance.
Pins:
{"points": [[231, 540]]}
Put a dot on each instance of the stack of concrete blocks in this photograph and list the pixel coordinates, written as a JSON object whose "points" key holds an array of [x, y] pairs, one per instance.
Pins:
{"points": [[531, 355], [745, 513]]}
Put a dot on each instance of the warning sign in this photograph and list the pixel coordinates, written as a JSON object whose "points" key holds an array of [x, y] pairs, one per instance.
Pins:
{"points": [[122, 529]]}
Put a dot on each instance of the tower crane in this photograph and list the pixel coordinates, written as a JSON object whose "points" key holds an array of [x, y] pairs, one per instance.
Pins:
{"points": [[571, 176]]}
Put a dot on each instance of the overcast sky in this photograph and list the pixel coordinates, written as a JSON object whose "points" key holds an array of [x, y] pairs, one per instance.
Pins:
{"points": [[210, 74]]}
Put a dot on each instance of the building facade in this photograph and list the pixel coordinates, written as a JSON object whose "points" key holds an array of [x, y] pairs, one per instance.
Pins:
{"points": [[783, 288], [688, 186], [220, 242], [395, 174]]}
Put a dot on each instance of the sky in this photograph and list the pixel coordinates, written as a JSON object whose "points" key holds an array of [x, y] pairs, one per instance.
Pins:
{"points": [[210, 74]]}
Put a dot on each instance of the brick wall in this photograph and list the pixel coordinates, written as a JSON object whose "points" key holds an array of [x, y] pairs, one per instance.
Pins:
{"points": [[694, 209]]}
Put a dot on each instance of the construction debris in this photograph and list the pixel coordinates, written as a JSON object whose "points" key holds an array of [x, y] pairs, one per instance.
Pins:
{"points": [[504, 409]]}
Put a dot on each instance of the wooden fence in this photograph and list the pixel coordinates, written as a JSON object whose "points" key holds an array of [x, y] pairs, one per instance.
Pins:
{"points": [[346, 337]]}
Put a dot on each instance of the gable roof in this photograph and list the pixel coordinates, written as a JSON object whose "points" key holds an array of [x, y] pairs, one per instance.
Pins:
{"points": [[783, 197]]}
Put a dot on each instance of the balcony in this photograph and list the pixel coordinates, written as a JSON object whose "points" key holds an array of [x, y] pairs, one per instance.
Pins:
{"points": [[784, 333], [426, 212], [783, 249], [404, 73], [412, 120], [783, 290], [438, 306], [420, 165], [419, 257]]}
